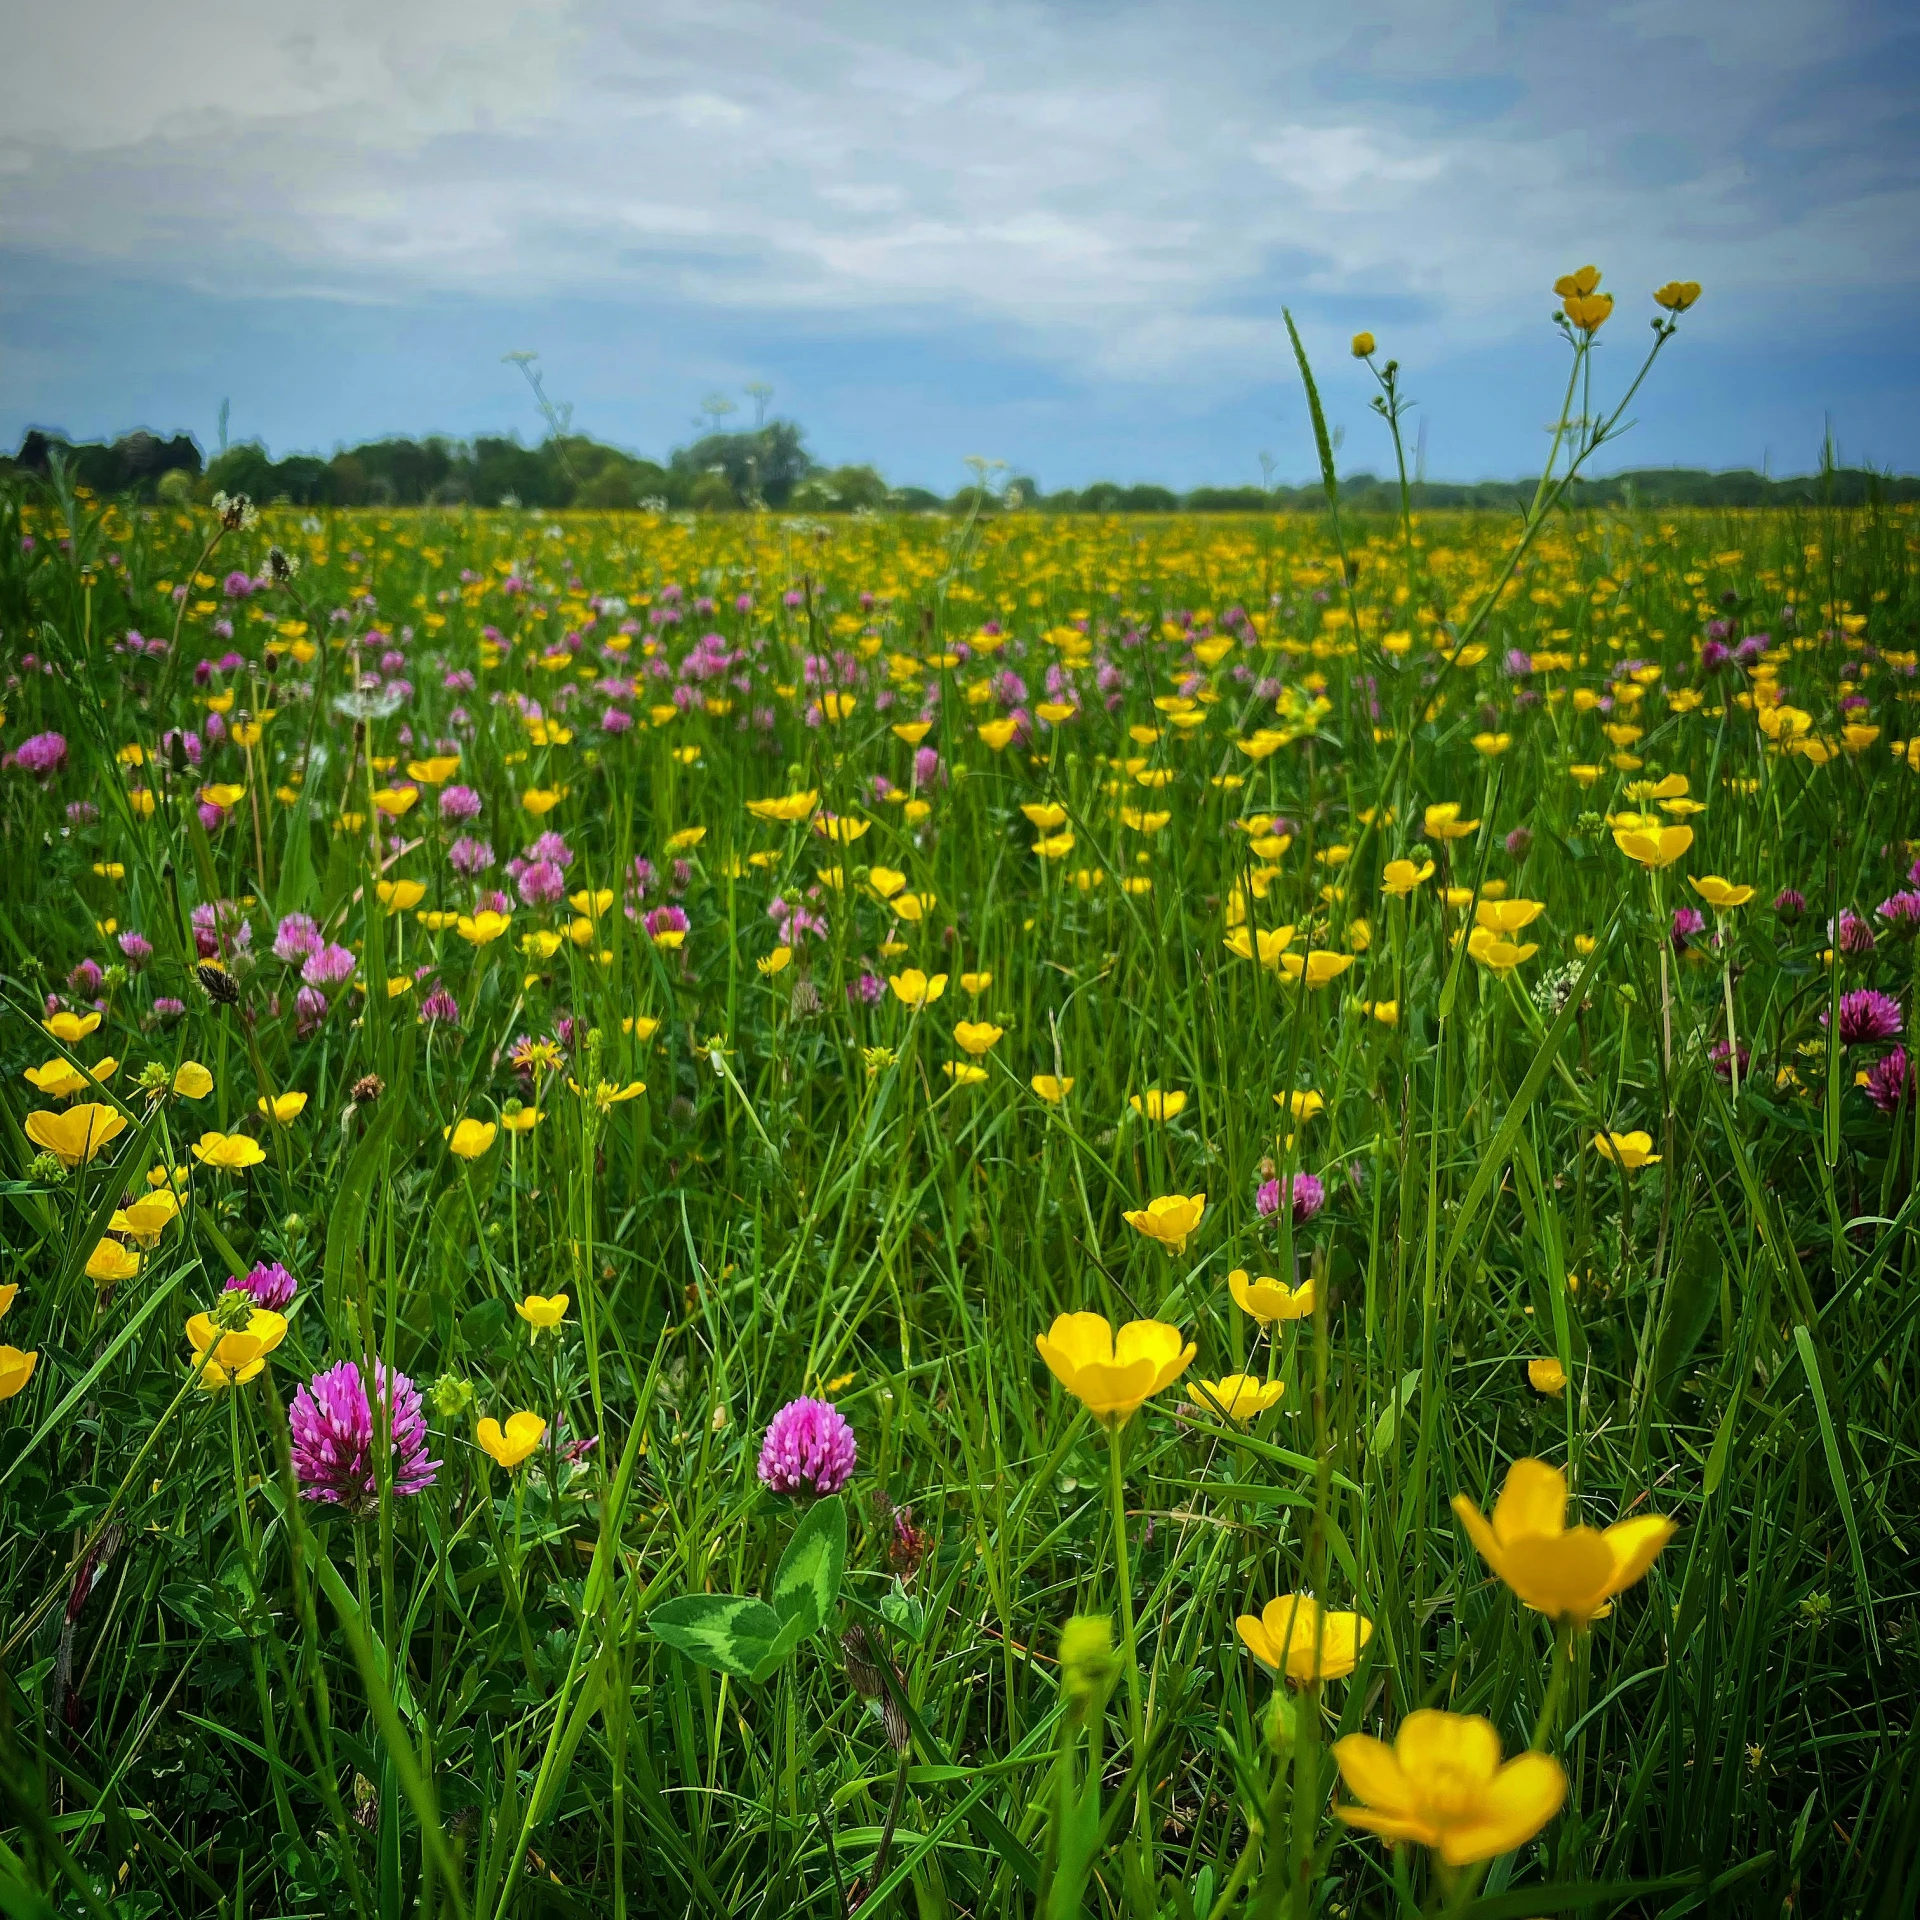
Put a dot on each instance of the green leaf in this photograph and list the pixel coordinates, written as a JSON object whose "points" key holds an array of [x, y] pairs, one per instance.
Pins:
{"points": [[807, 1581], [1693, 1293], [728, 1632], [1388, 1425], [903, 1613]]}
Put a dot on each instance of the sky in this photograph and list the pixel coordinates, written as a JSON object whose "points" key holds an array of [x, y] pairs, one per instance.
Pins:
{"points": [[1057, 233]]}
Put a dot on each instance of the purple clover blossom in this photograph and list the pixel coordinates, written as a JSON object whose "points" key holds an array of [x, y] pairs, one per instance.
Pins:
{"points": [[309, 1009], [41, 754], [540, 882], [331, 1422], [1889, 1080], [1867, 1015], [1687, 921], [553, 847], [1901, 911], [868, 990], [84, 980], [82, 813], [459, 803], [166, 1007], [809, 1450], [1722, 1055], [136, 949], [1790, 901], [1306, 1192], [468, 856], [270, 1285], [296, 938], [1850, 933], [329, 966], [439, 1009]]}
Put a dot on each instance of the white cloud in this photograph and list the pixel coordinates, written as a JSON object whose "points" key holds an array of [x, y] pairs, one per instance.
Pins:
{"points": [[1131, 190]]}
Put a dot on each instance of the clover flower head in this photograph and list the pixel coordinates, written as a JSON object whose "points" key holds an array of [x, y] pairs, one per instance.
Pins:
{"points": [[809, 1449], [331, 1422]]}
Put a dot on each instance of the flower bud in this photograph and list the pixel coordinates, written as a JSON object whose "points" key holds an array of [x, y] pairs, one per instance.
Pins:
{"points": [[1088, 1664]]}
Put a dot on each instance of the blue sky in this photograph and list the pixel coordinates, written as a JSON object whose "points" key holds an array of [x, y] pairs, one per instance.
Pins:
{"points": [[1057, 234]]}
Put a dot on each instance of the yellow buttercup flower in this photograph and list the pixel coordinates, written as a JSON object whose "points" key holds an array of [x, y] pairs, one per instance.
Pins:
{"points": [[1400, 877], [1653, 846], [395, 801], [1047, 815], [1267, 1299], [914, 989], [16, 1369], [542, 1312], [1240, 1397], [775, 962], [1113, 1376], [997, 734], [192, 1081], [975, 984], [1442, 821], [238, 1353], [233, 1152], [1630, 1150], [436, 771], [606, 1096], [76, 1135], [977, 1036], [1171, 1219], [1155, 1104], [523, 1120], [398, 895], [1546, 1375], [1677, 295], [146, 1218], [1362, 345], [1496, 954], [1052, 1088], [70, 1028], [541, 801], [1302, 1104], [284, 1108], [471, 1138], [110, 1263], [8, 1294], [1293, 1636], [524, 1431], [963, 1073], [60, 1078], [1317, 966], [1569, 1573], [1270, 944], [1442, 1784], [786, 810], [482, 929], [1508, 916], [1718, 893]]}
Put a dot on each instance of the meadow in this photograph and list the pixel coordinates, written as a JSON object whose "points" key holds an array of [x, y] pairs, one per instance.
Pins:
{"points": [[742, 1214]]}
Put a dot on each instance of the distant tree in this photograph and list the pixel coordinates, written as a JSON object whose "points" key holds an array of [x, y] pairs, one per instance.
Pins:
{"points": [[763, 466]]}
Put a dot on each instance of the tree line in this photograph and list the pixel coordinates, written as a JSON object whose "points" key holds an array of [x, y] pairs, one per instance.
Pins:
{"points": [[770, 466]]}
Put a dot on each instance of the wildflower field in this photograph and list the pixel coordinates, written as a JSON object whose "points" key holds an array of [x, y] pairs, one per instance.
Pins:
{"points": [[970, 1214]]}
